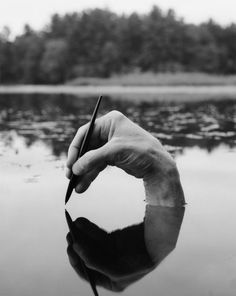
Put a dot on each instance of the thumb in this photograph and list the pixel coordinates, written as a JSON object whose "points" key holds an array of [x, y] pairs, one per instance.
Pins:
{"points": [[93, 160]]}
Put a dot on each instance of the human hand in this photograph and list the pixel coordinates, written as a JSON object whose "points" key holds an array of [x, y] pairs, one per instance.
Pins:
{"points": [[116, 260], [117, 141]]}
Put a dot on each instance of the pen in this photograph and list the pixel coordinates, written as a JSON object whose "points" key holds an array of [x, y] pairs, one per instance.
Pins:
{"points": [[85, 269], [83, 149]]}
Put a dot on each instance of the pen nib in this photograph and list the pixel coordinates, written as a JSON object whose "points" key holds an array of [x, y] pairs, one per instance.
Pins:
{"points": [[68, 193]]}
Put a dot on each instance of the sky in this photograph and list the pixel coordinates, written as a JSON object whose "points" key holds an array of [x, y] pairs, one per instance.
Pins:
{"points": [[15, 13]]}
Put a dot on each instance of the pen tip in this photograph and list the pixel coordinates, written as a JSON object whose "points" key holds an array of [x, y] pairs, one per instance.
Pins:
{"points": [[68, 218], [68, 193]]}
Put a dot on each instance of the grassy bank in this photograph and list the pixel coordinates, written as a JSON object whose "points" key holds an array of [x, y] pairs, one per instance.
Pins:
{"points": [[158, 79], [162, 93]]}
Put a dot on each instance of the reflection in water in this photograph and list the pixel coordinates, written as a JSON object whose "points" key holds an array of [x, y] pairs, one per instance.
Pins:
{"points": [[54, 119], [73, 237], [116, 260], [32, 182]]}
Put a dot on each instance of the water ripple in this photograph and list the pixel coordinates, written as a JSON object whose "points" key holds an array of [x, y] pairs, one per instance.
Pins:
{"points": [[55, 119]]}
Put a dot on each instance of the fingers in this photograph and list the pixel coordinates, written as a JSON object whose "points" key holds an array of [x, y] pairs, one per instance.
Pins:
{"points": [[68, 173], [104, 128], [99, 138], [69, 238], [90, 245], [85, 181], [99, 278], [90, 229], [73, 257], [93, 160], [91, 164], [75, 145]]}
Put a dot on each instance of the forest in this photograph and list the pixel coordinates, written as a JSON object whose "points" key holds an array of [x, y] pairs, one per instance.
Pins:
{"points": [[101, 43]]}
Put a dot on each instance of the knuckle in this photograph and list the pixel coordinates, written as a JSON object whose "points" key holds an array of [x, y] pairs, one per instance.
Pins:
{"points": [[70, 148], [118, 146], [83, 165], [80, 166], [69, 250], [69, 238], [117, 115], [81, 222], [81, 129]]}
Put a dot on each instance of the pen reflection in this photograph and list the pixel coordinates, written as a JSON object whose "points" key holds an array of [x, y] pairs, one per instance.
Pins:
{"points": [[116, 260]]}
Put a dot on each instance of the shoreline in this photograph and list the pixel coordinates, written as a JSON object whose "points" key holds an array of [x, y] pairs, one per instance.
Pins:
{"points": [[156, 92]]}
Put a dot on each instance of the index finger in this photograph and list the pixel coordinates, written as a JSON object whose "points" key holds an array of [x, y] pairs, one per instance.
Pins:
{"points": [[99, 138], [75, 145]]}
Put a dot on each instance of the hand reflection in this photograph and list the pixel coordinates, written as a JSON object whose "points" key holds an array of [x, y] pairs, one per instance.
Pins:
{"points": [[116, 260]]}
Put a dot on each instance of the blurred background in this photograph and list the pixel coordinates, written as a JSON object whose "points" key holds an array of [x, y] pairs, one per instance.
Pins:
{"points": [[57, 42], [168, 65]]}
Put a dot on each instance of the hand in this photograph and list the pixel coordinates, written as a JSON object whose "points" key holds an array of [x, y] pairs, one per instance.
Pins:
{"points": [[117, 141], [116, 260]]}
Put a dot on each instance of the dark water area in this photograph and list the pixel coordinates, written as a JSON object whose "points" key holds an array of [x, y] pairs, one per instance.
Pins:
{"points": [[54, 119], [193, 253]]}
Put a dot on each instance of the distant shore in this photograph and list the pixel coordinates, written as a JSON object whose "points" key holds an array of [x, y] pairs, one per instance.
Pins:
{"points": [[157, 79], [175, 93]]}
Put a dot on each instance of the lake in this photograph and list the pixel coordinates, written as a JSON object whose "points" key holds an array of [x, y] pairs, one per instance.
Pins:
{"points": [[35, 132]]}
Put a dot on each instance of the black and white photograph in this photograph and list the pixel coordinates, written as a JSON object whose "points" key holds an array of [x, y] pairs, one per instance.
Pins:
{"points": [[117, 148]]}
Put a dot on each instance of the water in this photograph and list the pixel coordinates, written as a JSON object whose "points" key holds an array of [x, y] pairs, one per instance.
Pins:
{"points": [[35, 131]]}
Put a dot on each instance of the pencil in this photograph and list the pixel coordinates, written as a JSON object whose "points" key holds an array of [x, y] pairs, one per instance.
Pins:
{"points": [[87, 273], [83, 149]]}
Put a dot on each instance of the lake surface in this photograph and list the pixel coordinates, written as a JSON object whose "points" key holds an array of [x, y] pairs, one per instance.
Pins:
{"points": [[35, 132]]}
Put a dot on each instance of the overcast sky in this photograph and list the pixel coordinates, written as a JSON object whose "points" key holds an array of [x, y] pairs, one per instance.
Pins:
{"points": [[15, 13]]}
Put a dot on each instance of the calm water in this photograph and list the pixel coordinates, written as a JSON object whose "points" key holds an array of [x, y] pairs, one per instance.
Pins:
{"points": [[35, 132]]}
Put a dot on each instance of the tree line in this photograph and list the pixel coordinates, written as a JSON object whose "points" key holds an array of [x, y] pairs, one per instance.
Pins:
{"points": [[99, 43]]}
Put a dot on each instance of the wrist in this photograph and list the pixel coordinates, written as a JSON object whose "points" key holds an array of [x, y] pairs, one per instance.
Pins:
{"points": [[163, 187]]}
